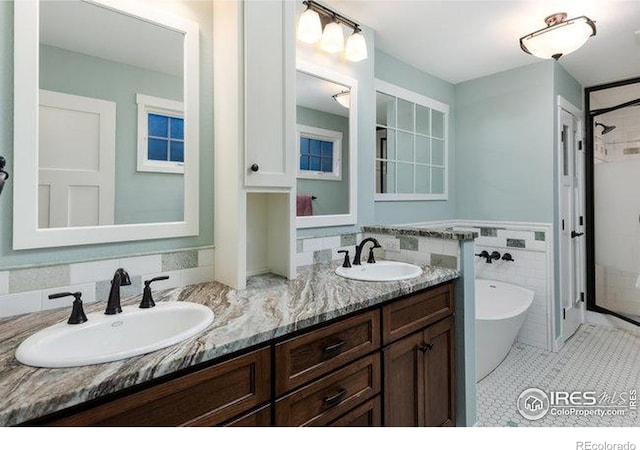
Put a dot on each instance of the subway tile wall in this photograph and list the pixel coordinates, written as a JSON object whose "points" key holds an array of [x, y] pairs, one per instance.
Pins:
{"points": [[27, 290]]}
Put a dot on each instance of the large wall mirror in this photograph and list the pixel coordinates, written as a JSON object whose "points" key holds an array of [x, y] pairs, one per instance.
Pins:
{"points": [[106, 123], [326, 136]]}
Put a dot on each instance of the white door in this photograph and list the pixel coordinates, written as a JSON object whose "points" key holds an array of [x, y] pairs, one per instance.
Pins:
{"points": [[76, 161], [572, 240]]}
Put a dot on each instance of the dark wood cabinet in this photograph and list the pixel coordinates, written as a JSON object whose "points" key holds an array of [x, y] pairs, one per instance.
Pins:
{"points": [[420, 378], [335, 375]]}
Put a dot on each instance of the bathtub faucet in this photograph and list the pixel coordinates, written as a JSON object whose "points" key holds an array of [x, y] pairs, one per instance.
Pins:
{"points": [[489, 257]]}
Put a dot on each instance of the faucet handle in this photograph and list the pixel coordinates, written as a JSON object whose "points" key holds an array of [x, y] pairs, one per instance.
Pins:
{"points": [[346, 264], [77, 313], [507, 257], [371, 259], [147, 298]]}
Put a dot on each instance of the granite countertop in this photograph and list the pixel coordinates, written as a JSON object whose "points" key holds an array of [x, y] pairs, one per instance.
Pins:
{"points": [[270, 307], [414, 230]]}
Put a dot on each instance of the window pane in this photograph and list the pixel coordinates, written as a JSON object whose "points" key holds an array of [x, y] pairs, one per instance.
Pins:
{"points": [[405, 115], [158, 125], [405, 178], [437, 152], [422, 120], [177, 151], [327, 165], [326, 149], [177, 128], [385, 110], [314, 147], [405, 146], [422, 149], [423, 179], [158, 150], [304, 162], [437, 175], [385, 177], [304, 146], [437, 129], [314, 163]]}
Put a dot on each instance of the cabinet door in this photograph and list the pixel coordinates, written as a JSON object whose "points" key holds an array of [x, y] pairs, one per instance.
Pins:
{"points": [[269, 93], [440, 374], [404, 382]]}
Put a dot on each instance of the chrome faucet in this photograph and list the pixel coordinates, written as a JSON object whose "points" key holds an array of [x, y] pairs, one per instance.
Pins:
{"points": [[360, 246], [120, 278]]}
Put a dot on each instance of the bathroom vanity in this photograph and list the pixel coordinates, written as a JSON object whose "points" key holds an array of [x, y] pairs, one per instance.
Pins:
{"points": [[283, 353]]}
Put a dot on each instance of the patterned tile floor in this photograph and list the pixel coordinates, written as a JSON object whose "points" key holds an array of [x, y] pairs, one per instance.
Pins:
{"points": [[596, 358]]}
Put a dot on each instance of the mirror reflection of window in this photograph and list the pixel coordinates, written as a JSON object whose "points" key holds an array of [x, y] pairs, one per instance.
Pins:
{"points": [[323, 146]]}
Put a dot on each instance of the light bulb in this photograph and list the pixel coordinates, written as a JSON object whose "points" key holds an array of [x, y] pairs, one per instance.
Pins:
{"points": [[344, 98], [332, 38], [309, 27], [356, 49]]}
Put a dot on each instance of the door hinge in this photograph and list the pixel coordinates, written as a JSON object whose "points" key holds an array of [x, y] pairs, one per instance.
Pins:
{"points": [[562, 136], [579, 145], [564, 314], [581, 220], [562, 224], [582, 297]]}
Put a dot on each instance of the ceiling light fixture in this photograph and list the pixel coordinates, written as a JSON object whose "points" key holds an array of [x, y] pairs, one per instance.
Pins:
{"points": [[344, 98], [560, 37], [332, 38]]}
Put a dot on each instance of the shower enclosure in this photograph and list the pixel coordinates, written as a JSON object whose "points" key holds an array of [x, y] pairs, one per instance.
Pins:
{"points": [[613, 199]]}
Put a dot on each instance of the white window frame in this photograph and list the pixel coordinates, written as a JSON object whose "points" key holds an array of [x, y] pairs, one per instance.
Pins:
{"points": [[401, 93], [335, 137], [155, 105]]}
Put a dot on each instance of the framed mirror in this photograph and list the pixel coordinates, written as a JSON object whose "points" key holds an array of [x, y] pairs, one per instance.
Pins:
{"points": [[106, 135], [327, 147]]}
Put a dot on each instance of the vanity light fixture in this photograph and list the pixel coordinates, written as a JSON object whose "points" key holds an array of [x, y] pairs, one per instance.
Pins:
{"points": [[332, 38], [560, 37], [344, 98]]}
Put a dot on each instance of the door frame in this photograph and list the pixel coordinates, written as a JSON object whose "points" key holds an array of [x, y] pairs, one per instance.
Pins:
{"points": [[590, 200], [566, 106]]}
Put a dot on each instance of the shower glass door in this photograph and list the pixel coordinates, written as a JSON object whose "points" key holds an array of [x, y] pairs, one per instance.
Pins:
{"points": [[613, 175]]}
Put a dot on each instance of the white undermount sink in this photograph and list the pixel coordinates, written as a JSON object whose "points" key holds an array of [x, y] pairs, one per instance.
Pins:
{"points": [[104, 338], [381, 271]]}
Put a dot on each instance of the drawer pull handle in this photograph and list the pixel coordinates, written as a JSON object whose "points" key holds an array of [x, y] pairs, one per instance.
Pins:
{"points": [[424, 348], [333, 400], [334, 349]]}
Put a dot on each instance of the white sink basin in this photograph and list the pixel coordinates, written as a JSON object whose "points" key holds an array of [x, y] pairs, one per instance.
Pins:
{"points": [[381, 271], [105, 338]]}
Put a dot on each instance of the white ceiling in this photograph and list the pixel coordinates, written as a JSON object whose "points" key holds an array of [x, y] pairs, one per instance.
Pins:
{"points": [[316, 93], [92, 30], [461, 40]]}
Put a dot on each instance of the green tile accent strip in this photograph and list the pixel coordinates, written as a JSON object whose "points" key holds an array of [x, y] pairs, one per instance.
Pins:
{"points": [[179, 260], [299, 245], [516, 243], [322, 256], [511, 423], [540, 236], [489, 232], [347, 239], [103, 288], [23, 280], [450, 262], [408, 243]]}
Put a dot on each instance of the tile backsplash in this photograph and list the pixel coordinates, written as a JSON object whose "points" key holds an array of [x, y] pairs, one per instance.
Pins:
{"points": [[27, 290]]}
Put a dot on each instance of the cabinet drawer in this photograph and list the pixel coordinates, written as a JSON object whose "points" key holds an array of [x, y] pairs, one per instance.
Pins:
{"points": [[204, 398], [258, 418], [332, 396], [369, 414], [405, 316], [311, 355]]}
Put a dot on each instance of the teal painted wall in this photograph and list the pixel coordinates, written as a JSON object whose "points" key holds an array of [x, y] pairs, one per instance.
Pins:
{"points": [[504, 146], [200, 12], [394, 71], [333, 196], [158, 197]]}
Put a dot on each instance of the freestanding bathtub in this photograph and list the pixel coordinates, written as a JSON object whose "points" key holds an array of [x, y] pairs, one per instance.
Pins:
{"points": [[500, 313]]}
